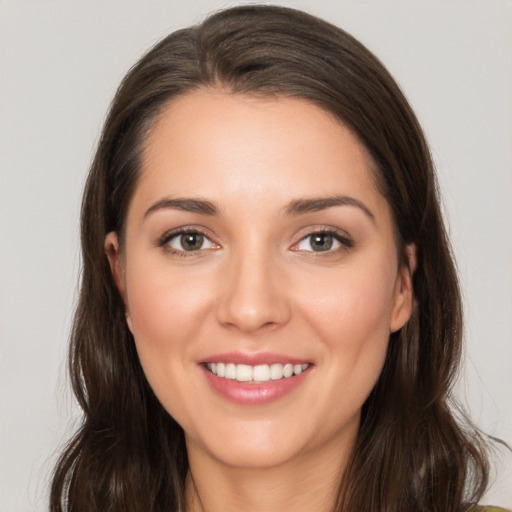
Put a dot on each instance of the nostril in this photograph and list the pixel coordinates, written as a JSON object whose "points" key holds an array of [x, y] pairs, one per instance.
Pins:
{"points": [[259, 314], [252, 296]]}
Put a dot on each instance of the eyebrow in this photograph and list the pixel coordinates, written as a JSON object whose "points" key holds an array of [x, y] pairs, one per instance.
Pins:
{"points": [[316, 204], [185, 204], [294, 208]]}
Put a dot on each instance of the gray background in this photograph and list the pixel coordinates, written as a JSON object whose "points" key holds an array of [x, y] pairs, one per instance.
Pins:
{"points": [[60, 63]]}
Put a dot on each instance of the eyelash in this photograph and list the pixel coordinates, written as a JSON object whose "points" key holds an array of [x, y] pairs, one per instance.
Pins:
{"points": [[344, 241], [167, 237]]}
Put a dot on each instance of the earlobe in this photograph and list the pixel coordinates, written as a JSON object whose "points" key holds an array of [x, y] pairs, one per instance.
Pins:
{"points": [[404, 293]]}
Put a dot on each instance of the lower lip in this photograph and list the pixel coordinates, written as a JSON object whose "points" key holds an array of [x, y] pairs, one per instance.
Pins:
{"points": [[262, 393]]}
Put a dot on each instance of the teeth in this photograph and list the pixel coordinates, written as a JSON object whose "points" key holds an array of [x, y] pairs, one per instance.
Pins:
{"points": [[288, 370], [259, 373], [243, 373], [230, 371], [276, 371]]}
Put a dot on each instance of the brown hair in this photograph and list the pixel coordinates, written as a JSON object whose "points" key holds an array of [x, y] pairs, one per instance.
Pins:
{"points": [[411, 453]]}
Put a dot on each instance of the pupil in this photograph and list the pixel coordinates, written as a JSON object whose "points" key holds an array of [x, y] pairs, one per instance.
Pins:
{"points": [[321, 242], [192, 241]]}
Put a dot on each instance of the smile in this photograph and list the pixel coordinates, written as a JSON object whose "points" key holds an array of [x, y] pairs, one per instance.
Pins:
{"points": [[256, 374]]}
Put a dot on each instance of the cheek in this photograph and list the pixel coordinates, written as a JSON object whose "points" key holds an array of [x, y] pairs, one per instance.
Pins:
{"points": [[166, 312], [164, 304], [350, 313], [354, 304]]}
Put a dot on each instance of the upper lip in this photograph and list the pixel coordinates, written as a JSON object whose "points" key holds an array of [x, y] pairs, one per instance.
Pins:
{"points": [[253, 359]]}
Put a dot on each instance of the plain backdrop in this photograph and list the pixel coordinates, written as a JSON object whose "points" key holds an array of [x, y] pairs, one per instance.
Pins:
{"points": [[60, 63]]}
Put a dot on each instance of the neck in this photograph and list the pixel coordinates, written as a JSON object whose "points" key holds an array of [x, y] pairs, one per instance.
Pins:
{"points": [[309, 482]]}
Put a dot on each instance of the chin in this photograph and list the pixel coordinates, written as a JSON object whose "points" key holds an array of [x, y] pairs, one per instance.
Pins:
{"points": [[265, 444], [256, 444], [252, 455]]}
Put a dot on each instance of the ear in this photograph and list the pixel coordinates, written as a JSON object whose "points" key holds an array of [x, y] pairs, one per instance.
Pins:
{"points": [[113, 254], [114, 260], [403, 299]]}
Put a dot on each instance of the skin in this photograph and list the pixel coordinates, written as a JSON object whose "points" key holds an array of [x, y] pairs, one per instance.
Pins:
{"points": [[257, 286]]}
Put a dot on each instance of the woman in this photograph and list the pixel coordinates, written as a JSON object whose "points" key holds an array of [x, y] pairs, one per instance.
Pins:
{"points": [[269, 313]]}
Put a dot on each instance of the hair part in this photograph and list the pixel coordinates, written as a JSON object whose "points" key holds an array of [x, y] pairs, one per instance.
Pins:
{"points": [[411, 452]]}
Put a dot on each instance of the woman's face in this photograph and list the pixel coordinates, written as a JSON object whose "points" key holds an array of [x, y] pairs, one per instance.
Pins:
{"points": [[258, 247]]}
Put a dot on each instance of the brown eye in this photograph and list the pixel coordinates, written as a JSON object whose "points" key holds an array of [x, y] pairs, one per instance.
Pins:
{"points": [[319, 242], [323, 241], [189, 242]]}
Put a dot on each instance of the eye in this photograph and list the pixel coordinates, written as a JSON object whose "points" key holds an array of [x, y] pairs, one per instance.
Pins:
{"points": [[323, 241], [187, 241]]}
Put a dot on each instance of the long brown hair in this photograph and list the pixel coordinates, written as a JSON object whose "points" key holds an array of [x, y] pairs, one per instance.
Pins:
{"points": [[413, 451]]}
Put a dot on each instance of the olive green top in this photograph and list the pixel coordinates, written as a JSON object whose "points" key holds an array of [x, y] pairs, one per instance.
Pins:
{"points": [[489, 509]]}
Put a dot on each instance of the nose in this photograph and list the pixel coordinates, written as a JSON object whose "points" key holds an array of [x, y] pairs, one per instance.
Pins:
{"points": [[254, 293]]}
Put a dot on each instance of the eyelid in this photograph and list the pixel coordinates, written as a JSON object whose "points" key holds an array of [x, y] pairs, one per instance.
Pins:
{"points": [[339, 235], [163, 240]]}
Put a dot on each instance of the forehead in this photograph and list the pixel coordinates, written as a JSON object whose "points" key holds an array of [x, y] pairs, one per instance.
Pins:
{"points": [[224, 146]]}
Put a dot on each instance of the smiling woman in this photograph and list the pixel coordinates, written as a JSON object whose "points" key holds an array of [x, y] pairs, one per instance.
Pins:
{"points": [[287, 280], [269, 313]]}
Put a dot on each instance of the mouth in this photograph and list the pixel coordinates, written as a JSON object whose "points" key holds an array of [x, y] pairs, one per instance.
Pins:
{"points": [[255, 379], [257, 374]]}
